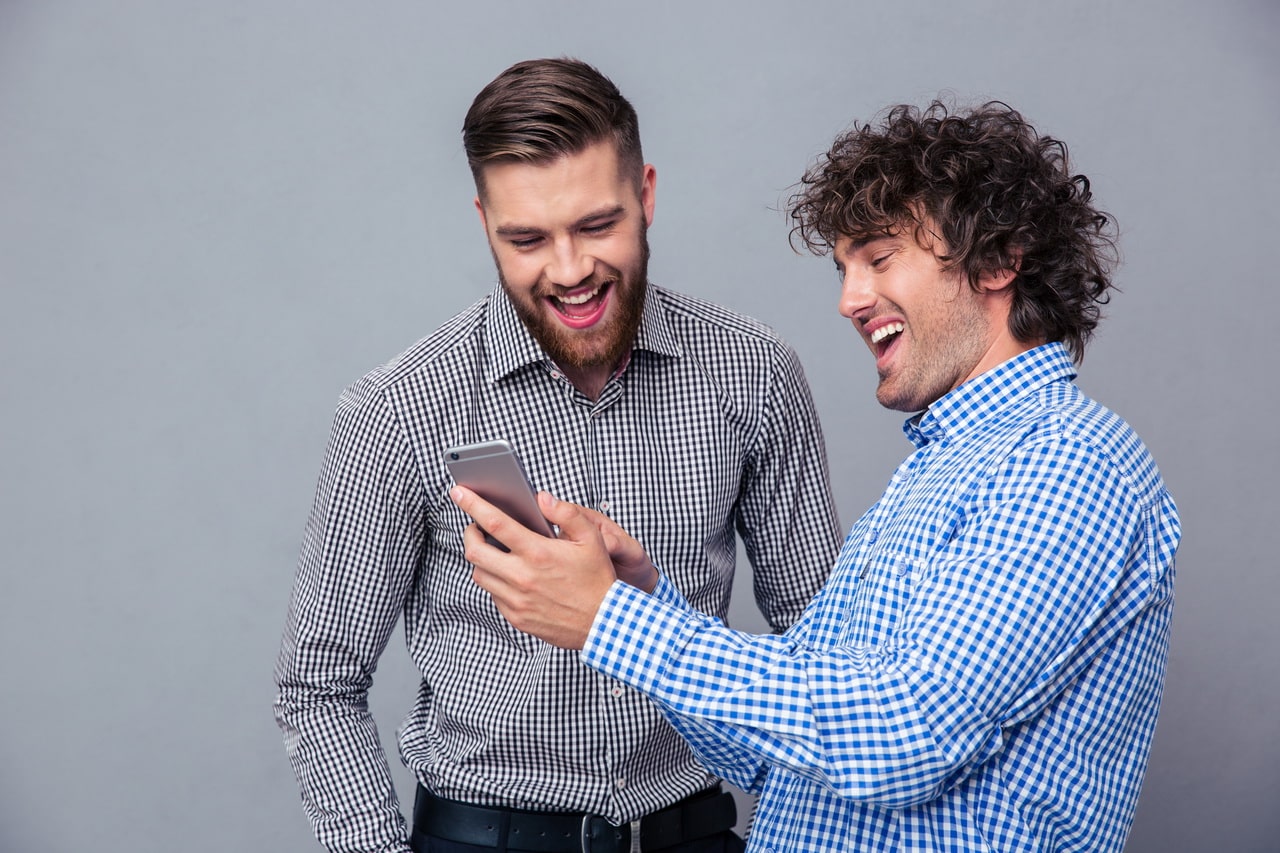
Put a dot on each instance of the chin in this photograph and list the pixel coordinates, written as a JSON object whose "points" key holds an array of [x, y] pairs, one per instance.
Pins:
{"points": [[898, 402]]}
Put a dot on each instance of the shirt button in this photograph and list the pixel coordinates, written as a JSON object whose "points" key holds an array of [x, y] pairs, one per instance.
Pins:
{"points": [[604, 506], [620, 782], [872, 535], [616, 691]]}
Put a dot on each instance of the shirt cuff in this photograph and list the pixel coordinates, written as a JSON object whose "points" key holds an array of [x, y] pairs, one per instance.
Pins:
{"points": [[668, 592], [635, 634]]}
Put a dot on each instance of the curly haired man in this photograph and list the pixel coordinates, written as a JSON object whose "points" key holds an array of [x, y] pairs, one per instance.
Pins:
{"points": [[983, 669]]}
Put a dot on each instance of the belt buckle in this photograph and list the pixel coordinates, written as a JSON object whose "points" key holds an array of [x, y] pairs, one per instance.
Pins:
{"points": [[584, 837], [611, 844]]}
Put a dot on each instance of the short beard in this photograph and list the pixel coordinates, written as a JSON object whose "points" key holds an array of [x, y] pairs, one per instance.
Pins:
{"points": [[604, 347]]}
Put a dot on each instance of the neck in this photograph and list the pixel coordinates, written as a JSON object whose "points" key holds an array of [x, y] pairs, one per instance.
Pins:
{"points": [[589, 380]]}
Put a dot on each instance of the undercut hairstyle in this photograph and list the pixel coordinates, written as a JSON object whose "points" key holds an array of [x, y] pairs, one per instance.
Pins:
{"points": [[998, 194], [540, 110]]}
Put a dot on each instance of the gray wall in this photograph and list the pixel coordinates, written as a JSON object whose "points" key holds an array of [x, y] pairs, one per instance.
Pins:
{"points": [[214, 216]]}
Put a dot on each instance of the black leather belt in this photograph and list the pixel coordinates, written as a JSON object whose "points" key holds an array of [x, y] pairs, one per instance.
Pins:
{"points": [[703, 814]]}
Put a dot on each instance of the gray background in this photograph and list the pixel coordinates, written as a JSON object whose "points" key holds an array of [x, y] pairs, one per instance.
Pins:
{"points": [[214, 216]]}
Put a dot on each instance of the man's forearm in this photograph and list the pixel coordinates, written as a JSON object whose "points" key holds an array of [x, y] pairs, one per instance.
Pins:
{"points": [[342, 774]]}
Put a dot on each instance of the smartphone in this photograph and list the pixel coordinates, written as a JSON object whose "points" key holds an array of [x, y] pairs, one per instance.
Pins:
{"points": [[492, 470]]}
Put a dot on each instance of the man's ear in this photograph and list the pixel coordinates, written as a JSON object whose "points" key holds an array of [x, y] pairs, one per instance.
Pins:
{"points": [[997, 280], [648, 192], [480, 210]]}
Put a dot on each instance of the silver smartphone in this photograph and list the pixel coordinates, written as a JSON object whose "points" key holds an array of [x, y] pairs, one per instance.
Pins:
{"points": [[492, 470]]}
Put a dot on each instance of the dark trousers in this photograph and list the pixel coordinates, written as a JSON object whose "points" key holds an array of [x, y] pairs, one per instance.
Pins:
{"points": [[726, 842], [700, 813]]}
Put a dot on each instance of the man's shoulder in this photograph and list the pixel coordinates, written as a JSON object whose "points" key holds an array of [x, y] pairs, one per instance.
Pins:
{"points": [[1065, 414], [1079, 417], [700, 321], [444, 350]]}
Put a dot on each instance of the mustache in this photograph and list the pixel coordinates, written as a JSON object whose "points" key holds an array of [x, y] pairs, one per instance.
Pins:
{"points": [[603, 279]]}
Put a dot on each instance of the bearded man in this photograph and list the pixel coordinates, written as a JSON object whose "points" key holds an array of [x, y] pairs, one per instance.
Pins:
{"points": [[683, 421]]}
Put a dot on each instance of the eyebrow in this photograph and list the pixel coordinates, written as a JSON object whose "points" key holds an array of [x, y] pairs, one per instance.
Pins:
{"points": [[593, 216], [855, 245]]}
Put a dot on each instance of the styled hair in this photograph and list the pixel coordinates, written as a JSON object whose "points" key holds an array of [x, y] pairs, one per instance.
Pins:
{"points": [[999, 195], [540, 110]]}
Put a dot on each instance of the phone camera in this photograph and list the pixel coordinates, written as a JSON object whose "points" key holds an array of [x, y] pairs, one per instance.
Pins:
{"points": [[453, 456]]}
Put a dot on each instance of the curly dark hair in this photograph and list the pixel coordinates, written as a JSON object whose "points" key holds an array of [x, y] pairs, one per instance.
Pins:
{"points": [[1000, 195]]}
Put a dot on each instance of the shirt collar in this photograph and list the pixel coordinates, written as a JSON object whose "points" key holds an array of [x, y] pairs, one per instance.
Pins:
{"points": [[510, 347], [974, 403]]}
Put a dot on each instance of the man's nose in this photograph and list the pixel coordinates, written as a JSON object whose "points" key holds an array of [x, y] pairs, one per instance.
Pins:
{"points": [[569, 265], [856, 294]]}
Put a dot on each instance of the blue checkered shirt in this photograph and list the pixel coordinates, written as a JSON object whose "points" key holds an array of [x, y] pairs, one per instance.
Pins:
{"points": [[983, 669]]}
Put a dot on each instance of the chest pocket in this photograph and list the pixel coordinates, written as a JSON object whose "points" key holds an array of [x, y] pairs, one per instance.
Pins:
{"points": [[885, 583]]}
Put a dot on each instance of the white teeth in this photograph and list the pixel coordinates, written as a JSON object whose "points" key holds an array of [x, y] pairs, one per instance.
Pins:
{"points": [[580, 298], [885, 331]]}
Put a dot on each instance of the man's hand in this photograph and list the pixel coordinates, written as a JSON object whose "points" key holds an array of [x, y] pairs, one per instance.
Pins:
{"points": [[550, 588], [630, 562]]}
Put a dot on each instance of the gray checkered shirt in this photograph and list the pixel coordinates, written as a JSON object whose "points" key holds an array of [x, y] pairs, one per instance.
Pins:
{"points": [[710, 429]]}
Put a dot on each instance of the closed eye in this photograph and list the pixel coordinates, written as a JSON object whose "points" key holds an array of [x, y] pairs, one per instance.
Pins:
{"points": [[524, 242], [599, 227]]}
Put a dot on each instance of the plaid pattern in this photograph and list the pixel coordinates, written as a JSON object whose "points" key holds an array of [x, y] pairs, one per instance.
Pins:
{"points": [[983, 669], [709, 429]]}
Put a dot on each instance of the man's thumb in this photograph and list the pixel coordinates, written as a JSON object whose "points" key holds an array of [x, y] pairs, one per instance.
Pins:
{"points": [[573, 523]]}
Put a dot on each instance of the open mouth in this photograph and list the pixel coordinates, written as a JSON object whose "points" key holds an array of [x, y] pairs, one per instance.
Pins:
{"points": [[583, 306], [883, 338]]}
